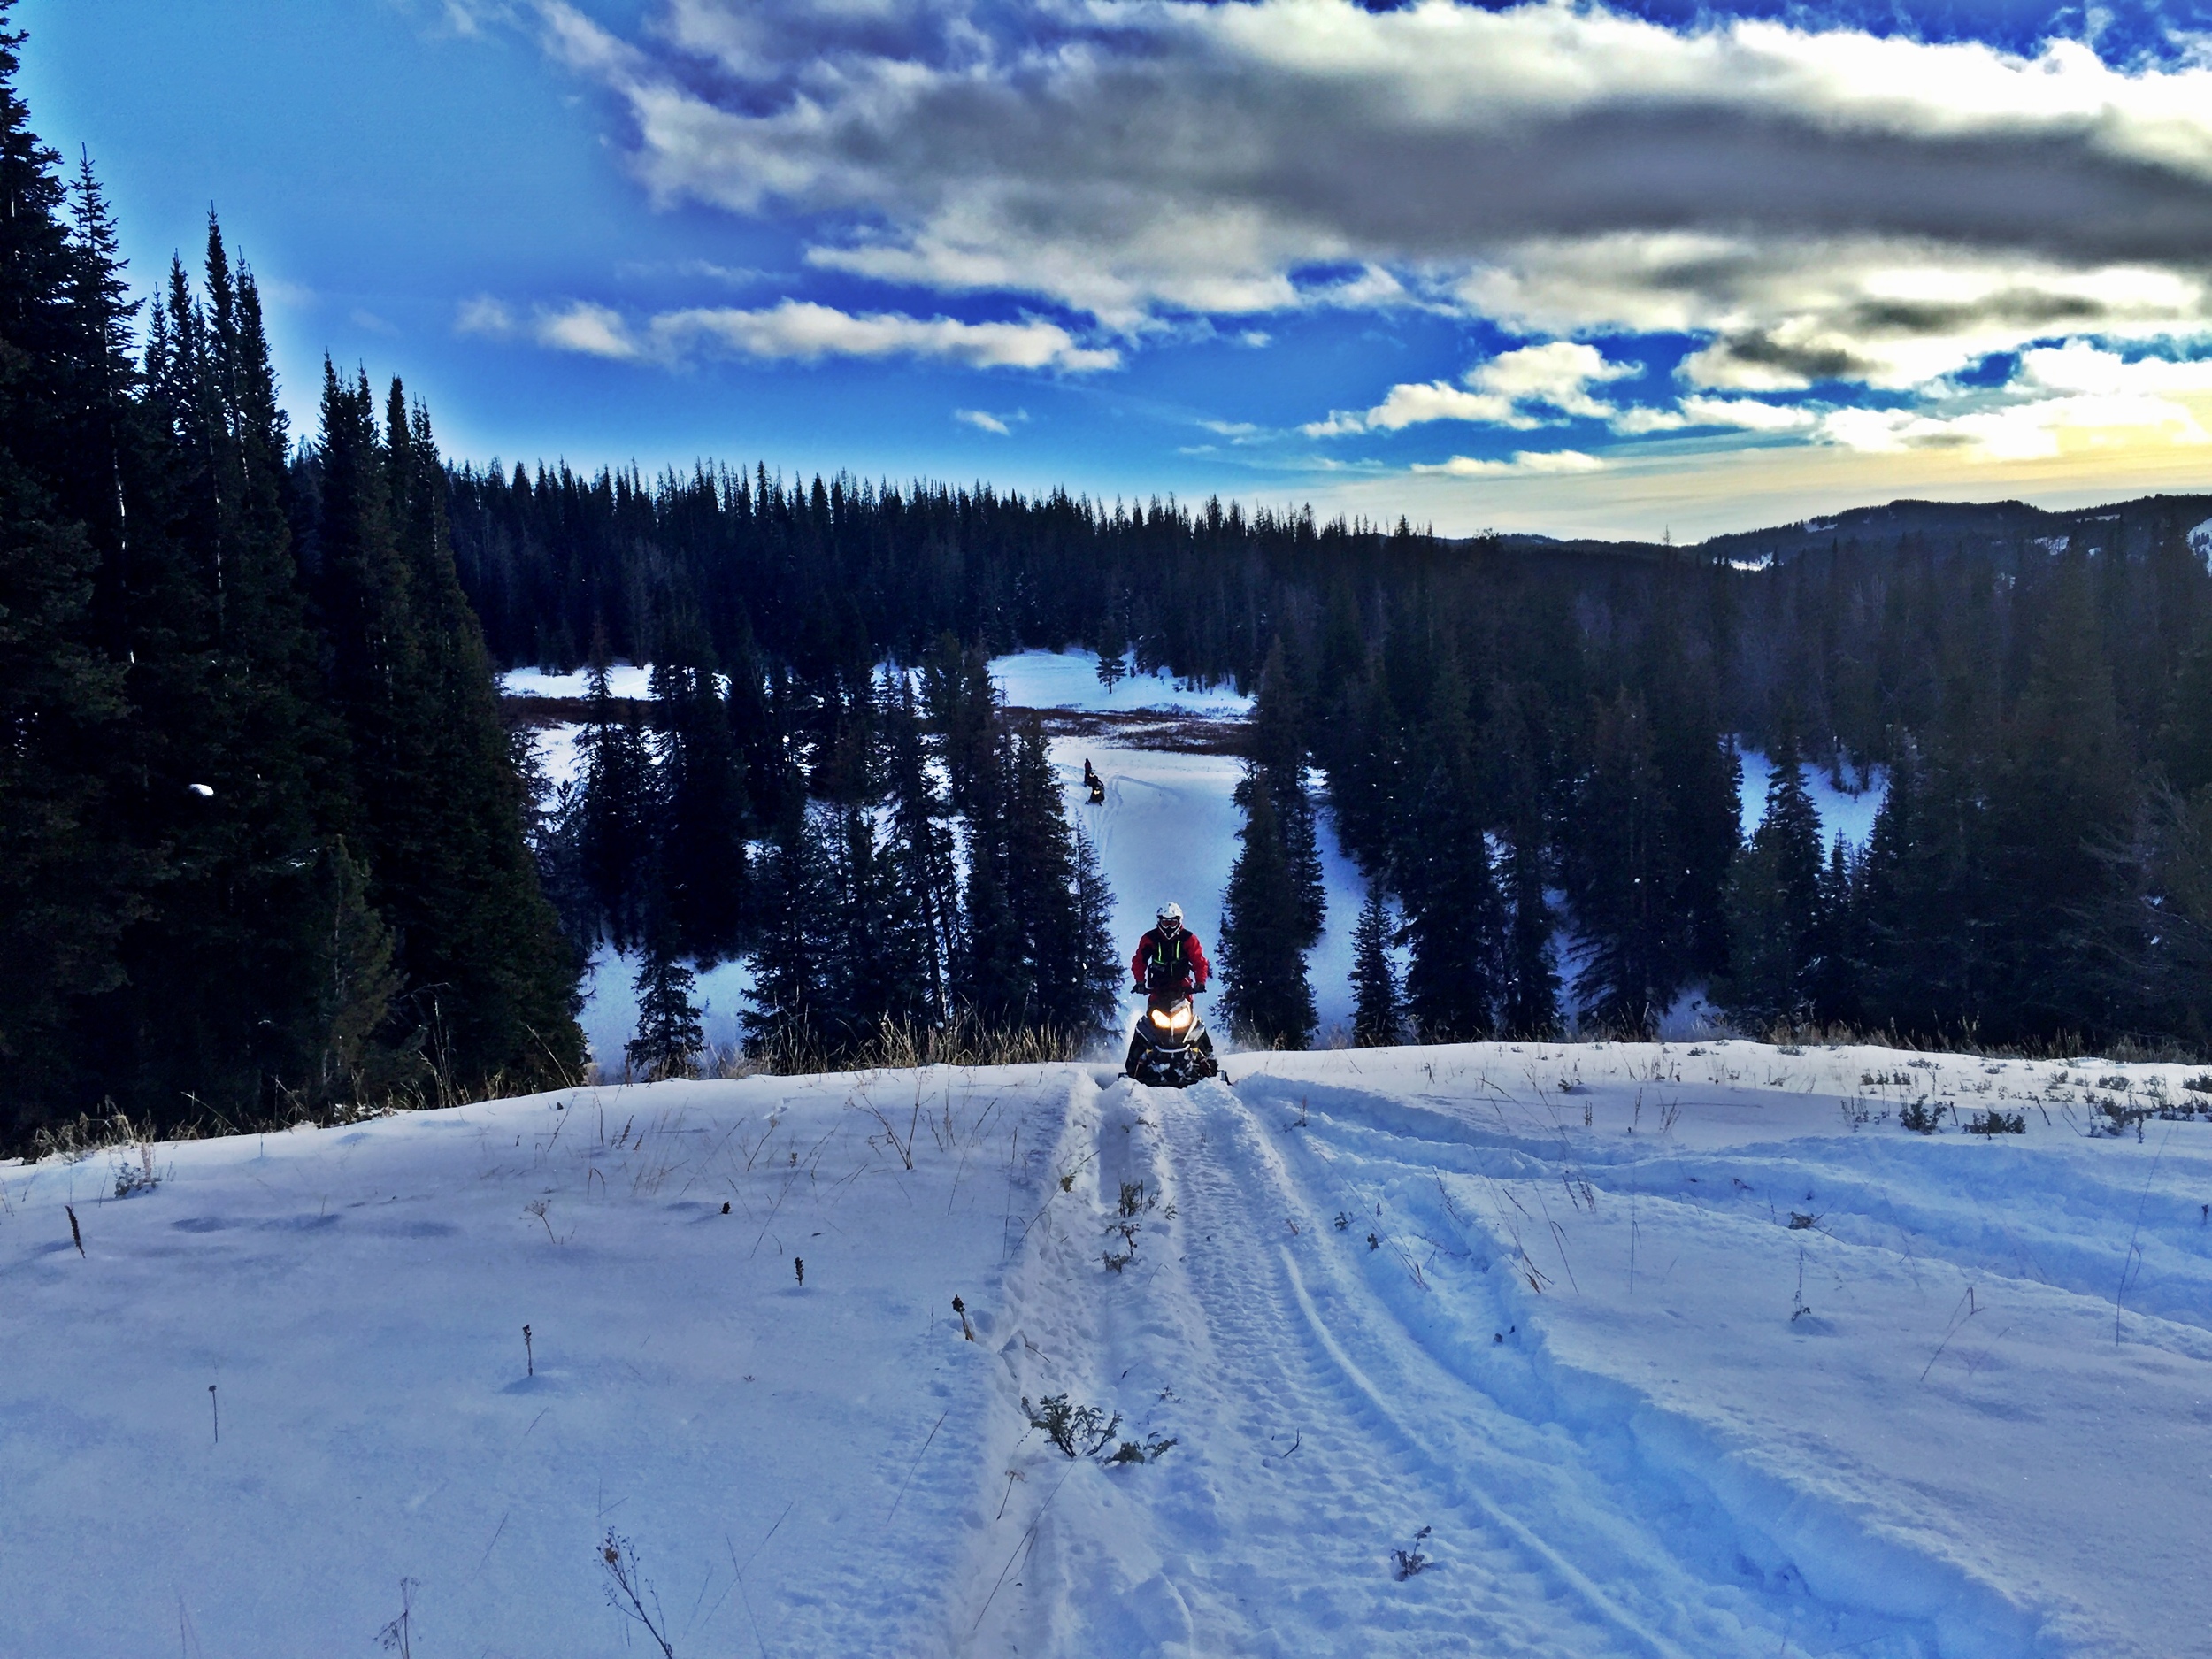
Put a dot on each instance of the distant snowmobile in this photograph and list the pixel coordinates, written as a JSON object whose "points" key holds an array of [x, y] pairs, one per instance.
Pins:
{"points": [[1170, 1047], [1096, 784]]}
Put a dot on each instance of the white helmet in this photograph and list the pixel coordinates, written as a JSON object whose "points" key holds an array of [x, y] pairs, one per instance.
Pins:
{"points": [[1172, 912]]}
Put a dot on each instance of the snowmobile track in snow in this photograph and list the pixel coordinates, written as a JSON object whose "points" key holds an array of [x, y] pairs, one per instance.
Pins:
{"points": [[1317, 1434]]}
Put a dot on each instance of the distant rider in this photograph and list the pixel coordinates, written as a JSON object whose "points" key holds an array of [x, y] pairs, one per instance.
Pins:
{"points": [[1174, 949]]}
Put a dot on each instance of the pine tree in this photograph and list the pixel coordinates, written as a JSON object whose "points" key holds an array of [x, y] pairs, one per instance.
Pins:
{"points": [[1278, 751], [1444, 877], [921, 844], [1619, 867], [670, 1036], [2064, 792], [489, 981], [702, 809], [1043, 890], [1096, 991], [1774, 905], [69, 883], [1377, 1010], [229, 999], [796, 896], [614, 811], [873, 959], [1266, 999], [1454, 919], [1529, 1002]]}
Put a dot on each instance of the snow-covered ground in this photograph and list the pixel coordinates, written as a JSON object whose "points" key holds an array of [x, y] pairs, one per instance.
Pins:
{"points": [[1069, 680], [1639, 1350], [624, 680]]}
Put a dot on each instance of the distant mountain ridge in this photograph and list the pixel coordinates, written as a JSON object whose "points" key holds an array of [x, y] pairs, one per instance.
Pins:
{"points": [[1946, 527]]}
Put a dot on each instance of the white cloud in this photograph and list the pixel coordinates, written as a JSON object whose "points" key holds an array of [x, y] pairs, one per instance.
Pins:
{"points": [[2039, 429], [1826, 203], [983, 420], [1506, 391], [595, 331], [2079, 366], [803, 330], [1523, 462], [1559, 373], [483, 315], [1746, 413], [792, 329]]}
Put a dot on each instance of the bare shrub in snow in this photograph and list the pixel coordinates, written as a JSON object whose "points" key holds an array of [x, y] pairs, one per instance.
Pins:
{"points": [[1920, 1118], [1078, 1431], [135, 1171], [399, 1636], [1407, 1562], [1150, 1451], [74, 1142], [628, 1592]]}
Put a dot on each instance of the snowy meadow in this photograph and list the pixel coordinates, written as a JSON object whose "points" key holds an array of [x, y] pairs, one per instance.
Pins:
{"points": [[1549, 1349]]}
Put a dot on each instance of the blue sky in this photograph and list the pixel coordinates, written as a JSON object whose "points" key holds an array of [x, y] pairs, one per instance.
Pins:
{"points": [[1669, 268]]}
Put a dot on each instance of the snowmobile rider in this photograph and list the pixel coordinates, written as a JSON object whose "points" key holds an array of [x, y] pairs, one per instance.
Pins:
{"points": [[1173, 947]]}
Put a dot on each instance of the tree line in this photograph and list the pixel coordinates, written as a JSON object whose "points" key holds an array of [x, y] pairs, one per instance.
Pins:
{"points": [[264, 839]]}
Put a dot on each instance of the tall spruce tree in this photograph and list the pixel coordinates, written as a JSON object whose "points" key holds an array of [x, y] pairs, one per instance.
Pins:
{"points": [[1266, 998], [1455, 918], [489, 981], [704, 812], [670, 1036], [1620, 870], [795, 894], [614, 812], [70, 883], [261, 976], [921, 842], [1377, 1013], [1447, 881], [2064, 788], [1774, 906], [1279, 752], [1529, 1001], [873, 966]]}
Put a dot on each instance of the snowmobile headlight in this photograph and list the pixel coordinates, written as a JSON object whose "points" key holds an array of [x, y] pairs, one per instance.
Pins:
{"points": [[1180, 1019], [1160, 1019]]}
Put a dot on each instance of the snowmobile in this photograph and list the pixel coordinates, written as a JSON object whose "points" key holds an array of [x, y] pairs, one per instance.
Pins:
{"points": [[1170, 1048]]}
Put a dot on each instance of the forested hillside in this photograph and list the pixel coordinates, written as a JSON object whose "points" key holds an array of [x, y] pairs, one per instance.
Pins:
{"points": [[1522, 737]]}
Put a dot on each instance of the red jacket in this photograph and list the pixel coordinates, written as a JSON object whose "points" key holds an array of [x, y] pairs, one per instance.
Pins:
{"points": [[1184, 951]]}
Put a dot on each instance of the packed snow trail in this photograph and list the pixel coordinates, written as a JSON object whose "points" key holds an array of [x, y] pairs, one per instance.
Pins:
{"points": [[1642, 1349], [1317, 1435]]}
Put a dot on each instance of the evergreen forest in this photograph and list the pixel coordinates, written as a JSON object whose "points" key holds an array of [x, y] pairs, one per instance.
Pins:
{"points": [[270, 849]]}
